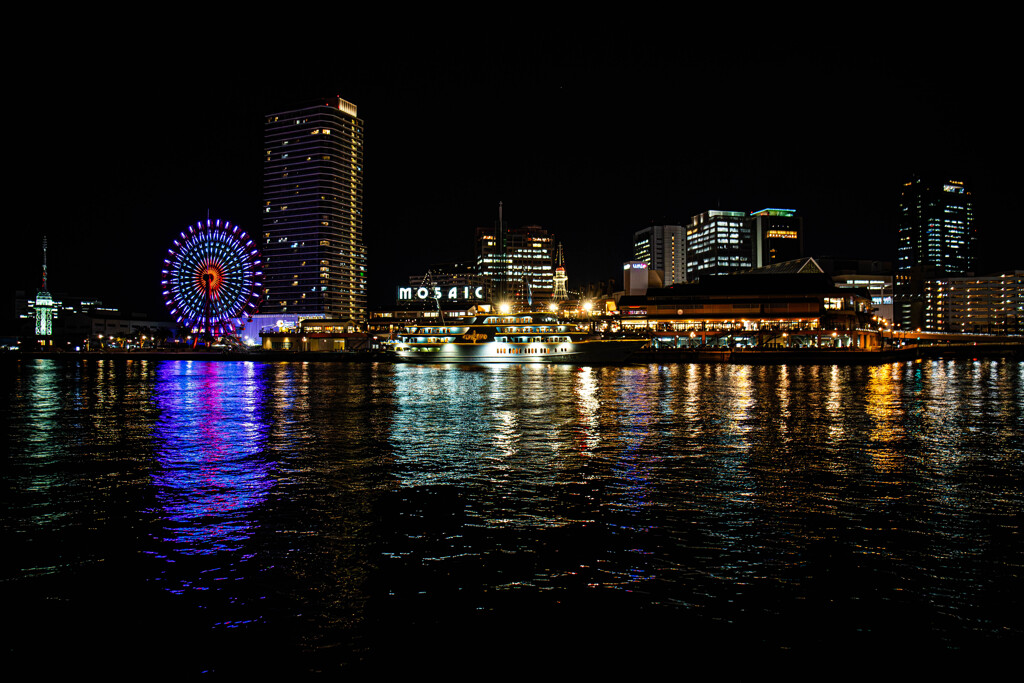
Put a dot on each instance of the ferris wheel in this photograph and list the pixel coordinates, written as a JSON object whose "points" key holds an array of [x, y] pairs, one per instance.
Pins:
{"points": [[212, 277]]}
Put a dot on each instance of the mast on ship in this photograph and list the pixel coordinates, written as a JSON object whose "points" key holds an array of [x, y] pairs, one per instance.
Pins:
{"points": [[502, 293], [428, 281]]}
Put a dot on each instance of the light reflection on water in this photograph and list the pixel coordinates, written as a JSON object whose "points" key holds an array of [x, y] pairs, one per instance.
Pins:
{"points": [[210, 440], [334, 514]]}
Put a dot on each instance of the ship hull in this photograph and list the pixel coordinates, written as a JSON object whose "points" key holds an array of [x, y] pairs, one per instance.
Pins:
{"points": [[577, 353]]}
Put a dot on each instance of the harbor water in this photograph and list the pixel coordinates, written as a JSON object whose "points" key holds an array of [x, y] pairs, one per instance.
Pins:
{"points": [[294, 518]]}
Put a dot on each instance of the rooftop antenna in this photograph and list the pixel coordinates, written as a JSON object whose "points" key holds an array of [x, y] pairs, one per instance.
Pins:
{"points": [[44, 306], [428, 280], [501, 243], [44, 263]]}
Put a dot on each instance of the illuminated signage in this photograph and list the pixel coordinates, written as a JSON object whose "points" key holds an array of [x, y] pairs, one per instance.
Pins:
{"points": [[453, 294]]}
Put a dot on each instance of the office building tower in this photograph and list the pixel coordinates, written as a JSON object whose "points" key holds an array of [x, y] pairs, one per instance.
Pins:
{"points": [[662, 247], [935, 231], [717, 243], [776, 235], [517, 263], [313, 248]]}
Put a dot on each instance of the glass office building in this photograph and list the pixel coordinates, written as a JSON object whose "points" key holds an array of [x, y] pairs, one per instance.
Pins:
{"points": [[717, 243], [936, 239]]}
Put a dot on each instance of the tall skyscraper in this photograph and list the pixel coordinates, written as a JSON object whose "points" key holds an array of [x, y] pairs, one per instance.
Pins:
{"points": [[717, 243], [662, 247], [313, 248], [776, 235], [936, 237]]}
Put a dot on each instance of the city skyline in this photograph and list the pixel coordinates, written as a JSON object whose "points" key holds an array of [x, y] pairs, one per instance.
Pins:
{"points": [[589, 143]]}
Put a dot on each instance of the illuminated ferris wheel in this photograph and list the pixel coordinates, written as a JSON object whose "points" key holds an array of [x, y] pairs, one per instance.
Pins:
{"points": [[212, 277]]}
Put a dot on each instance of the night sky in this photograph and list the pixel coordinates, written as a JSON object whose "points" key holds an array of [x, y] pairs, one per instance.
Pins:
{"points": [[591, 134]]}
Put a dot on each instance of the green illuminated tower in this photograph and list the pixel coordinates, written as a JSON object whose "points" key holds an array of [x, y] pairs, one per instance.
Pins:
{"points": [[44, 305]]}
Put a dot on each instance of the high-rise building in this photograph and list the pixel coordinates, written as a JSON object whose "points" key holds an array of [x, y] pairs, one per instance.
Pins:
{"points": [[776, 235], [517, 263], [717, 243], [662, 247], [935, 230], [313, 249]]}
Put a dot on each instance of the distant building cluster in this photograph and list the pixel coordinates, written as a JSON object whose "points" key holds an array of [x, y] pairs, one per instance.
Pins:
{"points": [[720, 242], [936, 287], [315, 256], [315, 265]]}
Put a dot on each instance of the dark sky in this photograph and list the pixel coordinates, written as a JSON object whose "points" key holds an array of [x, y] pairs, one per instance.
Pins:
{"points": [[591, 135]]}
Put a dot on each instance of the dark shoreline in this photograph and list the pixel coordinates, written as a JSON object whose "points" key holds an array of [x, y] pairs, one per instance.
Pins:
{"points": [[830, 356], [744, 357]]}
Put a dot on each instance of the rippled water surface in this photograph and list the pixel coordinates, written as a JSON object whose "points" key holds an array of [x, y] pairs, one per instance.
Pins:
{"points": [[304, 517]]}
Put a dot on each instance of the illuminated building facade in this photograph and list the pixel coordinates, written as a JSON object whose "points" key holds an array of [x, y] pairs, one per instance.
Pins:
{"points": [[314, 252], [799, 309], [717, 243], [879, 287], [936, 237], [517, 263], [990, 304], [776, 235], [662, 247], [444, 287]]}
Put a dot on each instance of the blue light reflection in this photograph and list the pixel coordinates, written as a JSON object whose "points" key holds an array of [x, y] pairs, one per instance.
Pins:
{"points": [[210, 439]]}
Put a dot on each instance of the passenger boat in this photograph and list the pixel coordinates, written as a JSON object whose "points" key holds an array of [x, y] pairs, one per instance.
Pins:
{"points": [[509, 338]]}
